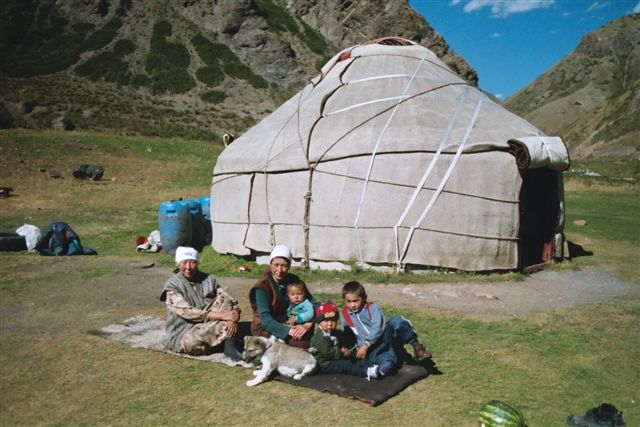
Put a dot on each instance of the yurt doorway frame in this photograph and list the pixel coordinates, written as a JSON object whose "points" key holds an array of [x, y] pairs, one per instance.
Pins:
{"points": [[540, 212]]}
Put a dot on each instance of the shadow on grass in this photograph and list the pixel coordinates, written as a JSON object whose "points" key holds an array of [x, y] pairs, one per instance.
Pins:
{"points": [[576, 250]]}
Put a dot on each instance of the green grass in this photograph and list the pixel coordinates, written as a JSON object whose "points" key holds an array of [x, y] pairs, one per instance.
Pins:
{"points": [[146, 172], [609, 204], [548, 364], [609, 215]]}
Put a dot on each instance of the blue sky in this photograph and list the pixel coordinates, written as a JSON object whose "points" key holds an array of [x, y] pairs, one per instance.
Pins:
{"points": [[511, 42]]}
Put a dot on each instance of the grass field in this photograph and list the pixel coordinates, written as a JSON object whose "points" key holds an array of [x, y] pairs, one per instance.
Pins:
{"points": [[549, 364]]}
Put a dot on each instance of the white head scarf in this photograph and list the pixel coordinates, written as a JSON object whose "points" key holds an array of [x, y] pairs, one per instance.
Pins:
{"points": [[280, 251], [185, 252]]}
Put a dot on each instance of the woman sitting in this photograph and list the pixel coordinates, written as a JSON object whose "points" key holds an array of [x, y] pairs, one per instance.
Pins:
{"points": [[269, 302], [200, 314]]}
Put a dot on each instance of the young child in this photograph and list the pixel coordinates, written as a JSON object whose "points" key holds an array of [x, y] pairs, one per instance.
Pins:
{"points": [[300, 309], [332, 356], [377, 340]]}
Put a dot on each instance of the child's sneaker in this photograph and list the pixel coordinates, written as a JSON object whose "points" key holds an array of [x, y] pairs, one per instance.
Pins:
{"points": [[372, 372], [420, 353]]}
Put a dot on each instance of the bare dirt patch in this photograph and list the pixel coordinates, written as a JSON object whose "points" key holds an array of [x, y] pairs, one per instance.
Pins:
{"points": [[125, 287], [543, 291]]}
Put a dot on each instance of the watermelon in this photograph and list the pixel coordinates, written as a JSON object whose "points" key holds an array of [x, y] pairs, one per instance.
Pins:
{"points": [[497, 413]]}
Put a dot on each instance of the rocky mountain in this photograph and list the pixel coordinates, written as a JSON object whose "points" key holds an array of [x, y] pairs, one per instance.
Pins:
{"points": [[189, 68], [591, 98]]}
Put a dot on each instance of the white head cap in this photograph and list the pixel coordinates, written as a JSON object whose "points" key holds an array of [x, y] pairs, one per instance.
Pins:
{"points": [[185, 252], [280, 251]]}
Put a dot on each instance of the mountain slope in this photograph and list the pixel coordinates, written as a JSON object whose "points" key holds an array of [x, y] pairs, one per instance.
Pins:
{"points": [[591, 98], [191, 68]]}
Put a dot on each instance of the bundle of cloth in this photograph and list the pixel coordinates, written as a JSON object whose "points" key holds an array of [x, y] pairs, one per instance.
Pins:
{"points": [[534, 152]]}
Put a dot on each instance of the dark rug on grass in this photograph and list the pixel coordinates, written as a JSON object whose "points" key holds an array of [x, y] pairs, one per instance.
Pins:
{"points": [[374, 393], [148, 332]]}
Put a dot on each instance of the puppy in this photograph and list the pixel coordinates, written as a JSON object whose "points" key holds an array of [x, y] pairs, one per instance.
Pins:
{"points": [[276, 356]]}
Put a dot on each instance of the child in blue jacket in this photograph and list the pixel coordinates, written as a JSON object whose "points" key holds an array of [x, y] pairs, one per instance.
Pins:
{"points": [[377, 339]]}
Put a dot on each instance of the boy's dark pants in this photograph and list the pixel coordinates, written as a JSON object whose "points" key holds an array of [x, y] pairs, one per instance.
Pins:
{"points": [[387, 351], [353, 367]]}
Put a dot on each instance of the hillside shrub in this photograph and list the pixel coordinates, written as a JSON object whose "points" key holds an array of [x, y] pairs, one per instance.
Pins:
{"points": [[124, 47], [109, 65], [102, 37], [320, 62], [210, 75], [6, 118], [280, 20], [277, 17], [29, 106], [106, 65], [315, 41], [219, 56], [140, 80], [213, 96], [47, 43], [167, 62]]}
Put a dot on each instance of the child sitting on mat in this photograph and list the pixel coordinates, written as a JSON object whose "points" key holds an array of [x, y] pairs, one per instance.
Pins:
{"points": [[332, 356], [377, 340]]}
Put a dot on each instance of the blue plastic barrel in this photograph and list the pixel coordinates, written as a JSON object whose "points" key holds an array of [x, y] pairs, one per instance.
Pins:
{"points": [[175, 225], [205, 202], [197, 227]]}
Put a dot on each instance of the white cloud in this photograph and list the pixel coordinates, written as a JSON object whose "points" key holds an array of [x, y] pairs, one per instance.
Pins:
{"points": [[499, 96], [454, 2], [597, 6], [636, 9], [504, 8], [566, 13], [495, 35]]}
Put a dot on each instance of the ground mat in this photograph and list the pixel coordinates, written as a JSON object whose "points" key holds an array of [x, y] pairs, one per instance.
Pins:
{"points": [[148, 332], [373, 393]]}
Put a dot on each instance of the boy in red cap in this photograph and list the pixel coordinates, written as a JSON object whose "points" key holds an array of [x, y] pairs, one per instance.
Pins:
{"points": [[326, 347]]}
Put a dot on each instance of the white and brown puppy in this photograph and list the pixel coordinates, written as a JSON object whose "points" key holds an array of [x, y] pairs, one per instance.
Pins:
{"points": [[276, 356]]}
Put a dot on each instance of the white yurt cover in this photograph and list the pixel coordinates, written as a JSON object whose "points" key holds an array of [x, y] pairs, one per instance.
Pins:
{"points": [[387, 157]]}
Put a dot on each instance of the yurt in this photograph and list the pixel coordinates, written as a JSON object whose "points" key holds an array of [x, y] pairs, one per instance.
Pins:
{"points": [[388, 158]]}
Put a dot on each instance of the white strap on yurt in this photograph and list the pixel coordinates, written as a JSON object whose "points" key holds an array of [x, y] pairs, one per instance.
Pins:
{"points": [[362, 104], [444, 180], [394, 76], [373, 156], [425, 176]]}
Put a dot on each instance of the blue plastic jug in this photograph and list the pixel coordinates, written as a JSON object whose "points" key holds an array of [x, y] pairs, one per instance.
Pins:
{"points": [[197, 227], [205, 202], [175, 225]]}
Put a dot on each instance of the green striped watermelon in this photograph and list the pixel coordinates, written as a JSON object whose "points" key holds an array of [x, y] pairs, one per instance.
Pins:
{"points": [[500, 414]]}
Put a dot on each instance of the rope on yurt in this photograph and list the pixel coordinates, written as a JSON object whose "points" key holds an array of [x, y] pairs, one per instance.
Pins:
{"points": [[425, 176], [373, 156], [296, 114], [444, 180]]}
